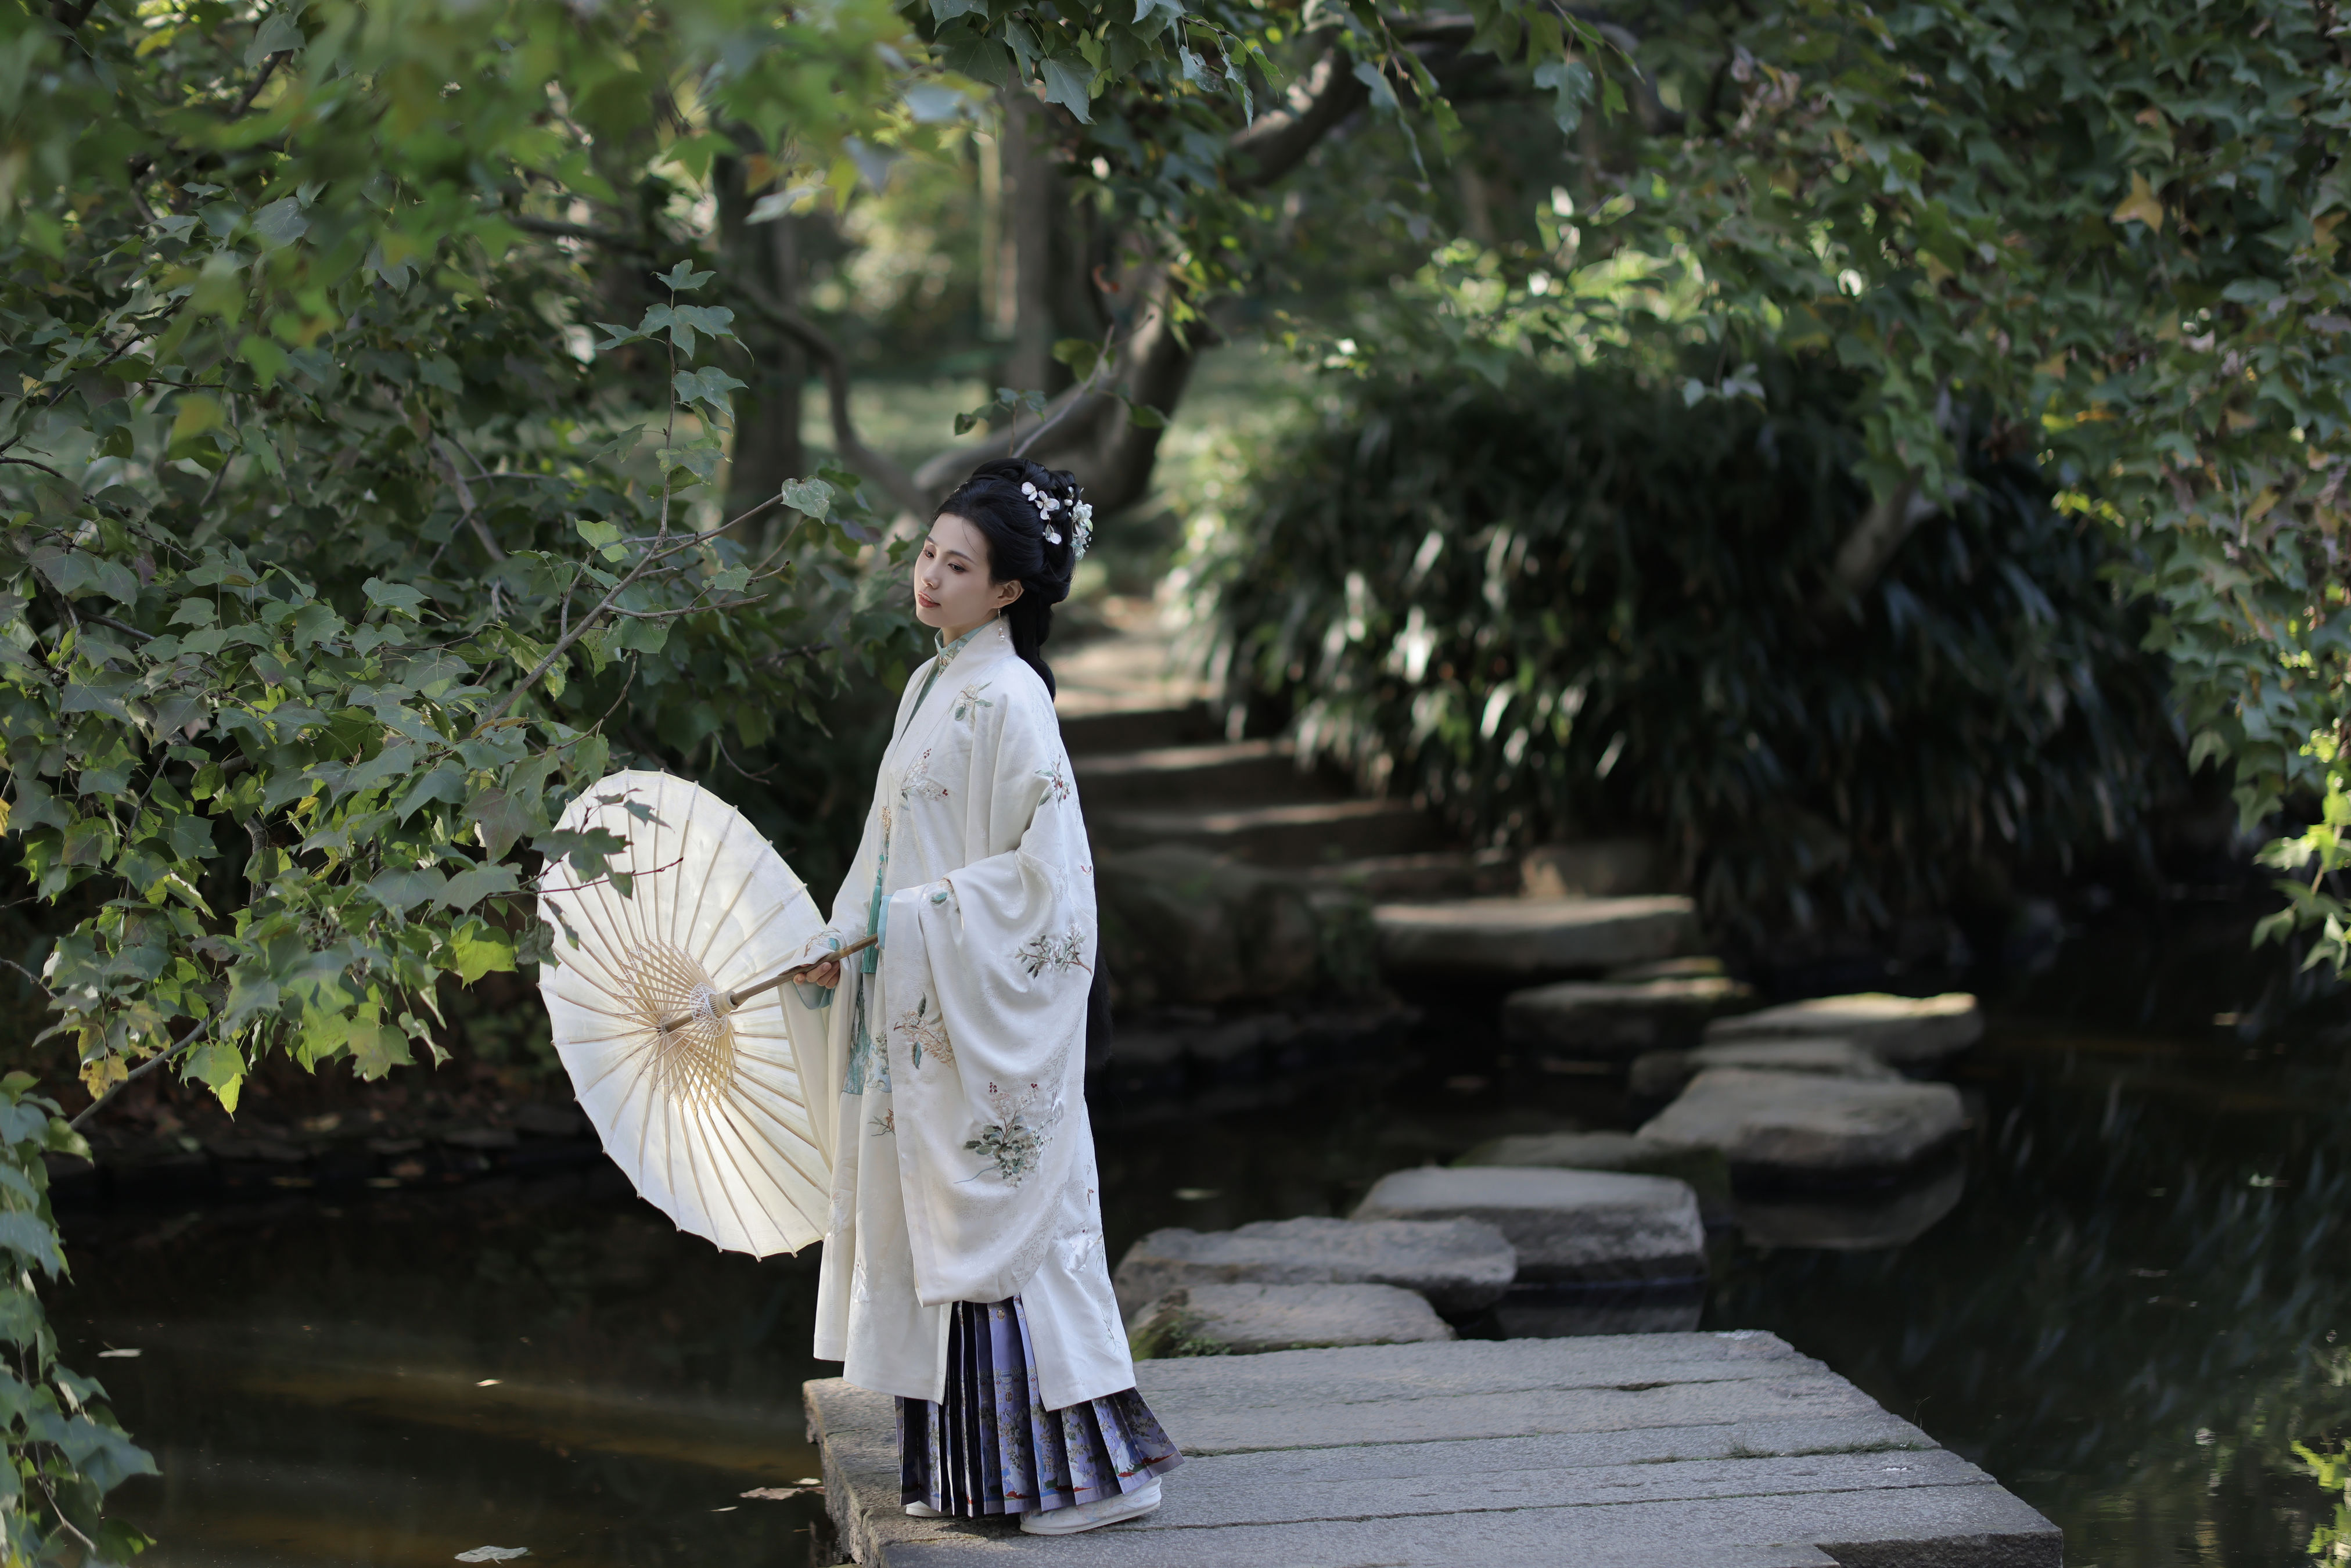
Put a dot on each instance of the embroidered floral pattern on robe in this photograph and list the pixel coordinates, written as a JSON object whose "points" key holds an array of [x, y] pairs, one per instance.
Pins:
{"points": [[1065, 951], [925, 1029]]}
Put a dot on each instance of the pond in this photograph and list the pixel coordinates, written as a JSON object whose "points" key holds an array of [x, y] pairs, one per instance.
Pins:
{"points": [[2138, 1314]]}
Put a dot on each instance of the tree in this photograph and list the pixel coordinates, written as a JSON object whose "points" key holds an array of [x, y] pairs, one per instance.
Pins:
{"points": [[362, 486]]}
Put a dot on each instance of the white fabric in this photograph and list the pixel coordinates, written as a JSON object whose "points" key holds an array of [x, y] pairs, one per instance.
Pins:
{"points": [[966, 1170]]}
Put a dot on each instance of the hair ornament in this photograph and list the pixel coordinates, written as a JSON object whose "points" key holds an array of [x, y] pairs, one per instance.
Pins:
{"points": [[1082, 527], [1052, 536]]}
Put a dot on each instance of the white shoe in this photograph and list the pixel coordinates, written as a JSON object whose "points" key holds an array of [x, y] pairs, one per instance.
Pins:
{"points": [[923, 1511], [1092, 1515]]}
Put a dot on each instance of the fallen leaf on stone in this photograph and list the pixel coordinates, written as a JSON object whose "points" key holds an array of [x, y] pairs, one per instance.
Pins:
{"points": [[775, 1494], [492, 1554]]}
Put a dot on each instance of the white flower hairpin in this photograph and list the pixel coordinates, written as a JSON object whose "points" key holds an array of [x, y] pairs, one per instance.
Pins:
{"points": [[1082, 517]]}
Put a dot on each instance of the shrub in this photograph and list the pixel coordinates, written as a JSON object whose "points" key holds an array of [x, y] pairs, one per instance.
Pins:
{"points": [[1571, 602]]}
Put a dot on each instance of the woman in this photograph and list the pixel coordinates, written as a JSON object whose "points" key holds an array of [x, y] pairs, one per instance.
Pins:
{"points": [[963, 1269]]}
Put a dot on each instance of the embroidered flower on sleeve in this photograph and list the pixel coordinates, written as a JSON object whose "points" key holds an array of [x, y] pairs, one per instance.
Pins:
{"points": [[1057, 779], [1015, 1143], [926, 1031], [1039, 953]]}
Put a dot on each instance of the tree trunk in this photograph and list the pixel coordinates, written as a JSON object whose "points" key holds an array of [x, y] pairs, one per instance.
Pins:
{"points": [[1033, 203], [767, 449]]}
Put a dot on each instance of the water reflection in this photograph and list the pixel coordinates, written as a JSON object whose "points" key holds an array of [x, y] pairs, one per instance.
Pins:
{"points": [[2127, 1297], [546, 1364]]}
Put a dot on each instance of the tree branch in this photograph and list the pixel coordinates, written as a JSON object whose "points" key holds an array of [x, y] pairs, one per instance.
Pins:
{"points": [[139, 1071], [1869, 549], [1273, 144], [904, 489]]}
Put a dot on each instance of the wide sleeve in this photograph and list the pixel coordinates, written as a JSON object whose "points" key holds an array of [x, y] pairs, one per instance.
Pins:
{"points": [[819, 1030], [984, 986]]}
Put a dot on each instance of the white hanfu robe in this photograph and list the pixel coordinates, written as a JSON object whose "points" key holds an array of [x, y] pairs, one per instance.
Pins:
{"points": [[964, 1162]]}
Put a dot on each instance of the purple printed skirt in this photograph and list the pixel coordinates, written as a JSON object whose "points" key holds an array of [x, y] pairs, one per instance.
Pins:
{"points": [[991, 1447]]}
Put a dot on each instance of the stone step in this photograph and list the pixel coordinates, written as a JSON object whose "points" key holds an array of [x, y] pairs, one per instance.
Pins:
{"points": [[1231, 772], [1251, 1319], [1296, 835], [1903, 1031], [1533, 936], [1609, 1019], [1634, 1451], [1089, 727], [1661, 1075], [1608, 1151], [1459, 1265], [1567, 1225], [1807, 1126], [1431, 874]]}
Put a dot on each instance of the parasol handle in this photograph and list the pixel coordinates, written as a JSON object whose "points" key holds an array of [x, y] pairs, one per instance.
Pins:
{"points": [[736, 998]]}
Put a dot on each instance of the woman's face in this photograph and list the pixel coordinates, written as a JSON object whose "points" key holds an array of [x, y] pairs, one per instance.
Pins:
{"points": [[952, 590]]}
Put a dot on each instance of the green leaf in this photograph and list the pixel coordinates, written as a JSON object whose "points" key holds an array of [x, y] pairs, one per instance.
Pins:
{"points": [[500, 820], [376, 1049], [683, 279], [477, 949], [216, 1064], [32, 1238], [810, 498], [468, 888], [1067, 84], [396, 597]]}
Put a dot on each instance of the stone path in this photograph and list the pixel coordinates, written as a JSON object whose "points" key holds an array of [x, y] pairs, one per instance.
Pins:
{"points": [[1627, 1451], [1156, 771]]}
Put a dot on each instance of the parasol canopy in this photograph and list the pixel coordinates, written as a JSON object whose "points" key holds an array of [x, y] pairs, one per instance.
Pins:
{"points": [[709, 1116]]}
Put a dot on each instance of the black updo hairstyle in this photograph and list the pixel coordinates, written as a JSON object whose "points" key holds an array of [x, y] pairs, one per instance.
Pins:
{"points": [[991, 501]]}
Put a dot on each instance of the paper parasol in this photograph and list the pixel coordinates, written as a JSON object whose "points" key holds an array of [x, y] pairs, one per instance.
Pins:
{"points": [[710, 1118]]}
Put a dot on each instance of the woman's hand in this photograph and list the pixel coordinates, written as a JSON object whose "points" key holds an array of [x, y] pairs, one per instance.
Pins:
{"points": [[827, 974]]}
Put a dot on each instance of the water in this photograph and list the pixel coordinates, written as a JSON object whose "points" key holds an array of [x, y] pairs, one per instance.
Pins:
{"points": [[2136, 1315]]}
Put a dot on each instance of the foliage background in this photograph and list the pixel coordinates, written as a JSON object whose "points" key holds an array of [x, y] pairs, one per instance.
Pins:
{"points": [[1572, 603]]}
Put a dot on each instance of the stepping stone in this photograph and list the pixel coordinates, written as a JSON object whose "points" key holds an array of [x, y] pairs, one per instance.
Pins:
{"points": [[1805, 1124], [1458, 1265], [1905, 1030], [1631, 1451], [1594, 868], [1662, 1074], [1626, 1152], [1858, 1222], [1301, 834], [1533, 936], [1259, 770], [1247, 1320], [1611, 1019], [1697, 966], [1566, 1223]]}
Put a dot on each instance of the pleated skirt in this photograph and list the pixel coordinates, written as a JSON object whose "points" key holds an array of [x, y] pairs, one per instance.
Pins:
{"points": [[990, 1447]]}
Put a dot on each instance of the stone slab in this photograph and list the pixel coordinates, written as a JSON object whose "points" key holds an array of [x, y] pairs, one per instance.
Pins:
{"points": [[1459, 1265], [1671, 1484], [1662, 1074], [1251, 1319], [1609, 1018], [1566, 1223], [1805, 1125], [1704, 1169], [1533, 936], [1905, 1030]]}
